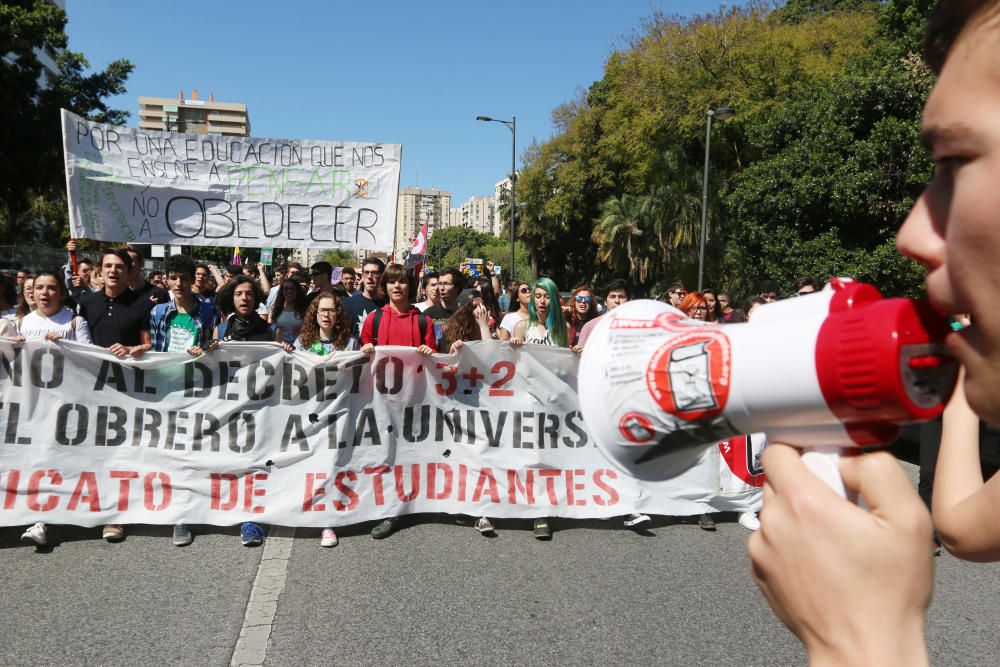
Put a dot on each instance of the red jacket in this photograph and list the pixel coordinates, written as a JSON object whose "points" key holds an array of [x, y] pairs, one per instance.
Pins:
{"points": [[398, 329]]}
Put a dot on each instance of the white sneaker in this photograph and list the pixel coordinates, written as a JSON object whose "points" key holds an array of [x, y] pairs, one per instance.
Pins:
{"points": [[749, 521], [329, 538], [37, 534], [633, 520]]}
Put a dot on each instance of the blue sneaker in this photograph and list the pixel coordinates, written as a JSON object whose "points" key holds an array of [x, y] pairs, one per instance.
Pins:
{"points": [[251, 534]]}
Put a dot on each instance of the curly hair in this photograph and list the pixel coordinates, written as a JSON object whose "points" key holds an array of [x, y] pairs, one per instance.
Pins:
{"points": [[225, 300], [311, 332], [460, 326], [575, 319]]}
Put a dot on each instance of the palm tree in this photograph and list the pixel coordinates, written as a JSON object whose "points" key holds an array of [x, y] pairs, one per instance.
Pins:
{"points": [[625, 238], [674, 208]]}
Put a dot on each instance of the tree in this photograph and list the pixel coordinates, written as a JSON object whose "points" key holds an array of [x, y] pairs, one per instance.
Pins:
{"points": [[452, 245], [32, 182], [338, 257], [626, 238]]}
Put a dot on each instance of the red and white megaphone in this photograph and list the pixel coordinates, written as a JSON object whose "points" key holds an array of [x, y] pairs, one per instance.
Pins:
{"points": [[840, 368]]}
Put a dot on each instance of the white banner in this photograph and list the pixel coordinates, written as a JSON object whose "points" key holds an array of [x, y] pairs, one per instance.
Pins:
{"points": [[140, 186], [249, 432]]}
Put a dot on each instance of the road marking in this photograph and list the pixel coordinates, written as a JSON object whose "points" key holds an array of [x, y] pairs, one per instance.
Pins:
{"points": [[251, 647]]}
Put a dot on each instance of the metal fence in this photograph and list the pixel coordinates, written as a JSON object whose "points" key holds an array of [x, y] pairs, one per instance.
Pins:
{"points": [[15, 257]]}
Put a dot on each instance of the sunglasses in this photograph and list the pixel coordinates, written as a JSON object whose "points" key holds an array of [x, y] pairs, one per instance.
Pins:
{"points": [[583, 299], [524, 290], [678, 292]]}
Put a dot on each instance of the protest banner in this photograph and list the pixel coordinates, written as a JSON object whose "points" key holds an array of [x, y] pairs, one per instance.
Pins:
{"points": [[141, 186], [249, 432]]}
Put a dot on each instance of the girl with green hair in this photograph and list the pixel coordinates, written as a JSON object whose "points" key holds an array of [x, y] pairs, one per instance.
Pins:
{"points": [[546, 324]]}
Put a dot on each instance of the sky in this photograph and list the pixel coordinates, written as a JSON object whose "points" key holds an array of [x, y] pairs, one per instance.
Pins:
{"points": [[413, 73]]}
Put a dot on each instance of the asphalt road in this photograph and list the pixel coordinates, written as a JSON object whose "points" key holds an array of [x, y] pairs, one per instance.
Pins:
{"points": [[434, 593]]}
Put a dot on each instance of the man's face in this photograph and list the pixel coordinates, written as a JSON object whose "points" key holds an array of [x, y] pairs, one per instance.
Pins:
{"points": [[446, 287], [370, 276], [768, 296], [114, 271], [432, 291], [615, 298], [136, 272], [201, 277], [86, 269], [179, 284], [244, 300], [953, 228], [21, 275], [348, 280], [677, 296]]}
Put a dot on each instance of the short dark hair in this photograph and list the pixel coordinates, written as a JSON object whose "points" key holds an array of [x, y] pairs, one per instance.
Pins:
{"points": [[85, 260], [203, 266], [179, 264], [395, 273], [615, 284], [374, 260], [120, 253], [321, 268], [457, 276], [676, 285], [429, 276], [804, 281], [947, 22], [768, 285], [348, 271]]}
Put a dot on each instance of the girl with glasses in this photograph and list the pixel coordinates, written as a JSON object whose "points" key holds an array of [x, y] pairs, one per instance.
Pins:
{"points": [[325, 329]]}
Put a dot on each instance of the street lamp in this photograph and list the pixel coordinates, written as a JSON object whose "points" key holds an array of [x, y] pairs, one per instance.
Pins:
{"points": [[722, 113], [512, 126]]}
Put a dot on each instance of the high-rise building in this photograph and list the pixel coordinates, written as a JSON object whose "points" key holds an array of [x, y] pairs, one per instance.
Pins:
{"points": [[416, 206], [477, 213], [501, 191], [193, 115]]}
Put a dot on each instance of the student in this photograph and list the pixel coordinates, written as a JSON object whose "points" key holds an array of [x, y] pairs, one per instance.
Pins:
{"points": [[288, 312], [518, 311], [854, 583], [51, 321], [367, 299], [240, 297], [182, 324], [325, 330], [396, 323], [545, 326], [26, 299], [138, 283], [118, 319], [429, 288]]}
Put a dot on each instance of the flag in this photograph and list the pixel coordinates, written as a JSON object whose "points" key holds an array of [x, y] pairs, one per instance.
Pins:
{"points": [[419, 248], [237, 260]]}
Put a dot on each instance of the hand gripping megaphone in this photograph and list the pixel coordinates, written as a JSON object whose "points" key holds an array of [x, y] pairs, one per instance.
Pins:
{"points": [[840, 368]]}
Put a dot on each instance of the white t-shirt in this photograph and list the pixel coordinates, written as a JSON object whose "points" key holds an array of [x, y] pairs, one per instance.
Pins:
{"points": [[510, 321], [36, 325]]}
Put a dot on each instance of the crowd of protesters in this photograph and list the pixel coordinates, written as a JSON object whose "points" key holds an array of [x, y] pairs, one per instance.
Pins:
{"points": [[190, 307]]}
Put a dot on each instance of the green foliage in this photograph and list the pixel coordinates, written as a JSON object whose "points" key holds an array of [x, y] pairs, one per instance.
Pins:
{"points": [[813, 175], [452, 245], [32, 180], [338, 257]]}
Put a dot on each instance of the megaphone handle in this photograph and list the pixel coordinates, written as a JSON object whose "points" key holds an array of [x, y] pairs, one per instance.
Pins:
{"points": [[824, 462]]}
